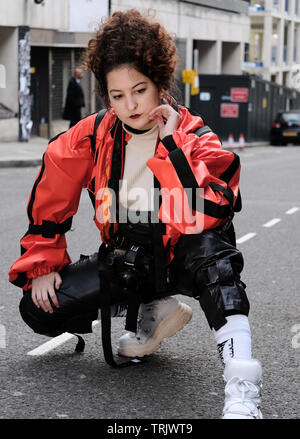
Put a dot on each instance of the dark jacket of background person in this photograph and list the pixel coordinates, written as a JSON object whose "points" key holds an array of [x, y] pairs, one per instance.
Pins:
{"points": [[74, 102]]}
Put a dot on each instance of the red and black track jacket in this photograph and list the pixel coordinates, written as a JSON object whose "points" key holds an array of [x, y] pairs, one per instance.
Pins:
{"points": [[72, 161]]}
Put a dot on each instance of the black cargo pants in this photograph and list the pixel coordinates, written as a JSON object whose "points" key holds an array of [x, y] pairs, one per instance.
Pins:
{"points": [[206, 266]]}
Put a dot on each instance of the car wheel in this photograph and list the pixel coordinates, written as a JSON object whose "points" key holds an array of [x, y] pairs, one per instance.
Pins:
{"points": [[274, 143]]}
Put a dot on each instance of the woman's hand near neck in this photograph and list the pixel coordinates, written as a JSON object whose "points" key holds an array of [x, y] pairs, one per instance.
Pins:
{"points": [[166, 118]]}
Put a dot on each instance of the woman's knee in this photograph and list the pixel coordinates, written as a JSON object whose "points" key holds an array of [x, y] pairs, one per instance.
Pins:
{"points": [[210, 266], [37, 319], [66, 318]]}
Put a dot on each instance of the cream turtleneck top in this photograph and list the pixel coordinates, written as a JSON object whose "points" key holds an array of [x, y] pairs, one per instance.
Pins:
{"points": [[136, 191]]}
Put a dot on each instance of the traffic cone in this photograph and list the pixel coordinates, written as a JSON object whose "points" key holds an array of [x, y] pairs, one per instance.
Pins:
{"points": [[230, 141], [241, 142]]}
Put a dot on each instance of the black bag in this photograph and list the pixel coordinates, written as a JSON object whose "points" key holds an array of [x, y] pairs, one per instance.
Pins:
{"points": [[113, 276]]}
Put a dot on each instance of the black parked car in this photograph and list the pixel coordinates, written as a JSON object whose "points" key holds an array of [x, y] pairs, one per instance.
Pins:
{"points": [[286, 128]]}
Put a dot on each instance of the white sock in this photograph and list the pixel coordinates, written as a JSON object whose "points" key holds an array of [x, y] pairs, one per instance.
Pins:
{"points": [[234, 338]]}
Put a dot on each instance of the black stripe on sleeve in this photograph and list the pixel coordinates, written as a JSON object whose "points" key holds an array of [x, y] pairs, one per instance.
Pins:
{"points": [[169, 143], [183, 170], [190, 184], [215, 210], [32, 197], [231, 170]]}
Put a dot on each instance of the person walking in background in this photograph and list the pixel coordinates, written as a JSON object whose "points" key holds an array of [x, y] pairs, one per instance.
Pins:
{"points": [[74, 99]]}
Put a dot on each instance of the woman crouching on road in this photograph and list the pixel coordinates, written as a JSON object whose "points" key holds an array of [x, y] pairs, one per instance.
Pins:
{"points": [[145, 149]]}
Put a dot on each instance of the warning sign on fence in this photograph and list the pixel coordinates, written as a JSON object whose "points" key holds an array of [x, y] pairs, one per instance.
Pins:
{"points": [[230, 110], [239, 94]]}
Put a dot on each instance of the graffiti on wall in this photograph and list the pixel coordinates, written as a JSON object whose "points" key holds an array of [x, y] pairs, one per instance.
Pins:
{"points": [[24, 88]]}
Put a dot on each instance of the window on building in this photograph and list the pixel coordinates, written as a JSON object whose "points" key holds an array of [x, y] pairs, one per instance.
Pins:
{"points": [[285, 44], [284, 54], [296, 7], [257, 5], [258, 47], [296, 45], [246, 52], [274, 47], [284, 79], [286, 6], [273, 55]]}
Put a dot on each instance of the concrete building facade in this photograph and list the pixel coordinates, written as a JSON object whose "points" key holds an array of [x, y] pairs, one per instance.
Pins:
{"points": [[40, 44], [274, 46]]}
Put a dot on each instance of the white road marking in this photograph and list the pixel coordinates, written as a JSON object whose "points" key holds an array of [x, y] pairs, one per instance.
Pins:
{"points": [[245, 238], [2, 337], [55, 342], [272, 222], [292, 210], [51, 344]]}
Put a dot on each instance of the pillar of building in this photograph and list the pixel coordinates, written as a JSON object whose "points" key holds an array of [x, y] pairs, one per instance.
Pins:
{"points": [[268, 5], [297, 43], [279, 53], [218, 57], [292, 7], [290, 51], [267, 47]]}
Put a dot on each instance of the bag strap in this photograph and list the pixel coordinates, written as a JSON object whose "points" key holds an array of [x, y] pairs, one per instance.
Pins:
{"points": [[203, 130], [106, 329], [98, 120], [106, 315]]}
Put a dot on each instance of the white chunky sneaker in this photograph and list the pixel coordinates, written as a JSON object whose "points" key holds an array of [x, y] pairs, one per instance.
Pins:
{"points": [[156, 320], [243, 388]]}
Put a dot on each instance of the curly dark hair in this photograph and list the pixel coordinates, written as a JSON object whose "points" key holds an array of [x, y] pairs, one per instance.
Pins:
{"points": [[135, 39]]}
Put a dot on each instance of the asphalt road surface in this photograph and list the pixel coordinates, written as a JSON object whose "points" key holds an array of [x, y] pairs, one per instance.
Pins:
{"points": [[183, 380]]}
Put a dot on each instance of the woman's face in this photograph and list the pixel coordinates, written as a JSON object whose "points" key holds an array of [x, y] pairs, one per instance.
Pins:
{"points": [[132, 95]]}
